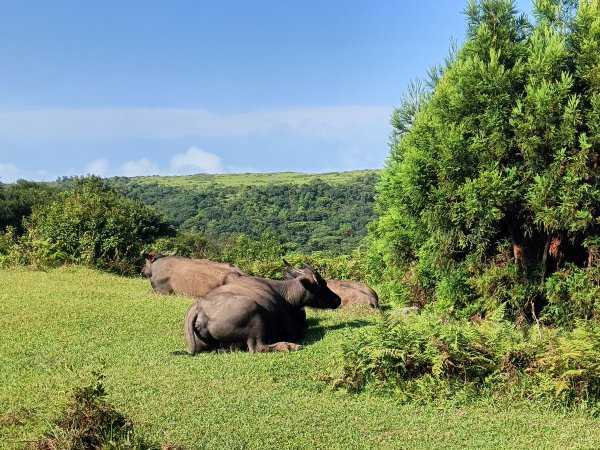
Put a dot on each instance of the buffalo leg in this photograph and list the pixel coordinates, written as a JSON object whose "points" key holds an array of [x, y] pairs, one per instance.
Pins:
{"points": [[276, 347]]}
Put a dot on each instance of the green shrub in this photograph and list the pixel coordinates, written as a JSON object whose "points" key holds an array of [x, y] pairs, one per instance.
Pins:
{"points": [[492, 182], [431, 356], [18, 199], [501, 282], [189, 244], [9, 248], [90, 422], [405, 347], [572, 293], [92, 225], [345, 267], [258, 257], [569, 370]]}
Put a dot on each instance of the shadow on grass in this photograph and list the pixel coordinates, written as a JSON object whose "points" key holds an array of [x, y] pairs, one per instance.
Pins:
{"points": [[316, 332]]}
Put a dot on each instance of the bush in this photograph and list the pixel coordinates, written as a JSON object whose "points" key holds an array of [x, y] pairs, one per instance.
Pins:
{"points": [[432, 356], [570, 369], [501, 282], [18, 199], [572, 293], [189, 244], [403, 347], [9, 248], [260, 257], [92, 225], [492, 183], [257, 257], [90, 422]]}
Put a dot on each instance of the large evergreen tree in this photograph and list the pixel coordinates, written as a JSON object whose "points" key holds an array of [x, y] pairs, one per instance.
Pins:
{"points": [[491, 192]]}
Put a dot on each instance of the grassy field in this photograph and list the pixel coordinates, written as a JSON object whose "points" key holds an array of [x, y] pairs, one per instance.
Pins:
{"points": [[58, 326], [245, 179]]}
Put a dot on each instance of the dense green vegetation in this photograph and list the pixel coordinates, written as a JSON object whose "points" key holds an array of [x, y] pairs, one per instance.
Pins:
{"points": [[489, 220], [18, 199], [324, 212], [260, 257], [429, 356], [491, 195], [490, 217], [90, 224], [57, 327], [306, 212]]}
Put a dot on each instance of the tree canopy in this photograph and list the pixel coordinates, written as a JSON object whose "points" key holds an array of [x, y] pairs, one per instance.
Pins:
{"points": [[92, 224], [313, 216], [17, 200], [491, 192]]}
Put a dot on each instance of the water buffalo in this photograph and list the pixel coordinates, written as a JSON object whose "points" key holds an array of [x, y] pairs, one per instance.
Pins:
{"points": [[259, 314], [354, 293], [350, 292], [195, 277]]}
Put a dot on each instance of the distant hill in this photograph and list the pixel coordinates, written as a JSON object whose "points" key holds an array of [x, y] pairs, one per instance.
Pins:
{"points": [[249, 179], [310, 212]]}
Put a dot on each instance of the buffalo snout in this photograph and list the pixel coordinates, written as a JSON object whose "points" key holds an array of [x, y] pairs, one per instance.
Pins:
{"points": [[330, 300]]}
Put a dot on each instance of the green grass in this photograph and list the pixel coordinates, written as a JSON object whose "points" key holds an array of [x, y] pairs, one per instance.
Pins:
{"points": [[56, 327], [246, 179]]}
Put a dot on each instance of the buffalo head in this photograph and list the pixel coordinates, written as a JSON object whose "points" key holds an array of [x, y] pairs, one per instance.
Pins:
{"points": [[318, 295], [150, 258]]}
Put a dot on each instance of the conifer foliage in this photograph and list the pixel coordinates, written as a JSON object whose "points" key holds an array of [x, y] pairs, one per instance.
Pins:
{"points": [[491, 193]]}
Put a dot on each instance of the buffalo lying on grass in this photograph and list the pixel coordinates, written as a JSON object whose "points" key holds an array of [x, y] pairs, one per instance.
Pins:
{"points": [[194, 277], [354, 293], [350, 292], [259, 314]]}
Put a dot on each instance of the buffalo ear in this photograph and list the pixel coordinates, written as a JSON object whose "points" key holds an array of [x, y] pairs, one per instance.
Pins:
{"points": [[306, 282], [152, 256], [309, 270]]}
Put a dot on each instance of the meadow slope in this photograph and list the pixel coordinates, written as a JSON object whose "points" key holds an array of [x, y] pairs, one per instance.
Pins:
{"points": [[246, 179], [58, 326]]}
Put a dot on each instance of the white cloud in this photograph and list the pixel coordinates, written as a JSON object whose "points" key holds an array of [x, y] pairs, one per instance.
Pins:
{"points": [[97, 167], [196, 160], [364, 128], [164, 123], [8, 173], [137, 168], [193, 160]]}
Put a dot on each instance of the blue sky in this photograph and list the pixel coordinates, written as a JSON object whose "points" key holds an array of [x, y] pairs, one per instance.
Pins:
{"points": [[178, 87]]}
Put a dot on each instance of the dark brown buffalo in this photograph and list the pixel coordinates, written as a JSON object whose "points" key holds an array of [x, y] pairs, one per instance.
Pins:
{"points": [[350, 292], [259, 314], [194, 277], [354, 293]]}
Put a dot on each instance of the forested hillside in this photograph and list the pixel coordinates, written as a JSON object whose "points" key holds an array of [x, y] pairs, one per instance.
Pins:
{"points": [[306, 212]]}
